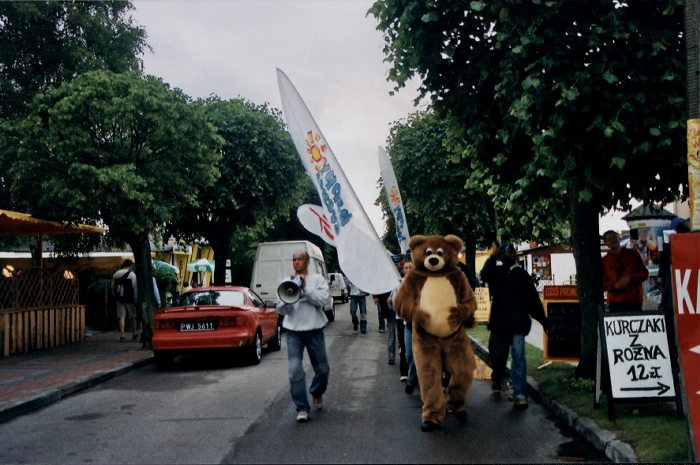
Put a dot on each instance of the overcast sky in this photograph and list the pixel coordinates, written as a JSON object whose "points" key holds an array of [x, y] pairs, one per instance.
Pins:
{"points": [[330, 50]]}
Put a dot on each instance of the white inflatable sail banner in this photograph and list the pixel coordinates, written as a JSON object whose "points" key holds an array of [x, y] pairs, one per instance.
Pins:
{"points": [[314, 219], [394, 195], [361, 255]]}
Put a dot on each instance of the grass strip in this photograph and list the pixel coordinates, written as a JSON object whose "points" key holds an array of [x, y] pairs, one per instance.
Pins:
{"points": [[653, 429]]}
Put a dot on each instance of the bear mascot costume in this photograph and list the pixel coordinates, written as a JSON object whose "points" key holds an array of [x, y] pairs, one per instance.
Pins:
{"points": [[437, 298]]}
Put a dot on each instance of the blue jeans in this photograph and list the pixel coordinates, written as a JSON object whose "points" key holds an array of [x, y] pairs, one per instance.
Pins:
{"points": [[408, 340], [498, 353], [360, 300], [315, 344]]}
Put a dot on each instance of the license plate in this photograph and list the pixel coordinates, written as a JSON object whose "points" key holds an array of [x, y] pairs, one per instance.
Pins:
{"points": [[197, 326]]}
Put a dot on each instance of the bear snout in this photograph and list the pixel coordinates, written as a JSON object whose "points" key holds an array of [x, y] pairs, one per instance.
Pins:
{"points": [[434, 262]]}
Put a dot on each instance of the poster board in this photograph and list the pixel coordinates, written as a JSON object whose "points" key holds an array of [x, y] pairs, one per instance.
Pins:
{"points": [[563, 340], [685, 273], [483, 305], [638, 356]]}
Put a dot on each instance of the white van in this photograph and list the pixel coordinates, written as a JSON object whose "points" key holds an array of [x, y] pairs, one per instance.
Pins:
{"points": [[338, 287], [273, 263]]}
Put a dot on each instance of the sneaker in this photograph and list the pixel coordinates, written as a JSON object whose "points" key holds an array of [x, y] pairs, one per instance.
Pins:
{"points": [[520, 402], [381, 330], [403, 379], [318, 403], [122, 339], [302, 416], [409, 388], [391, 362], [355, 323]]}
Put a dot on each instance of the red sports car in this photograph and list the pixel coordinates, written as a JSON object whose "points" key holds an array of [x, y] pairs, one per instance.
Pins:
{"points": [[218, 317]]}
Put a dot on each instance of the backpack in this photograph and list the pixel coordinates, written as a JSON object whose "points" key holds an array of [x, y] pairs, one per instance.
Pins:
{"points": [[124, 289]]}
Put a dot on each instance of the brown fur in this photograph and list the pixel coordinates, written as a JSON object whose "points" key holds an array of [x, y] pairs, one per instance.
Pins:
{"points": [[437, 298]]}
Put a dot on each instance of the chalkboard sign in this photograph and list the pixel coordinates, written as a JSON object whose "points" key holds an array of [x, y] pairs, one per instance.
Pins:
{"points": [[563, 340], [638, 355]]}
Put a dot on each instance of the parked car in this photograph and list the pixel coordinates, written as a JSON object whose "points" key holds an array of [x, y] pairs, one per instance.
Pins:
{"points": [[220, 317], [338, 287]]}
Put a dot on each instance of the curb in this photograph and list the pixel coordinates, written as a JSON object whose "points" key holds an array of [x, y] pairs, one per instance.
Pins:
{"points": [[39, 401], [603, 440]]}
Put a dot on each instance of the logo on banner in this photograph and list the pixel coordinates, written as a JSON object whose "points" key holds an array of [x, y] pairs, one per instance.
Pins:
{"points": [[323, 224], [331, 190]]}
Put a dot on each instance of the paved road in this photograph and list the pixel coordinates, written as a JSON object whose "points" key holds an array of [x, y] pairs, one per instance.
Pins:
{"points": [[212, 411]]}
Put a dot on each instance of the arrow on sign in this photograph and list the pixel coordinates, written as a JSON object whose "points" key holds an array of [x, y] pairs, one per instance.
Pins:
{"points": [[662, 388], [696, 349]]}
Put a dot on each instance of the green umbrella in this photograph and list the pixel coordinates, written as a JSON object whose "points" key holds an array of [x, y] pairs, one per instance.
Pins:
{"points": [[202, 265], [157, 265]]}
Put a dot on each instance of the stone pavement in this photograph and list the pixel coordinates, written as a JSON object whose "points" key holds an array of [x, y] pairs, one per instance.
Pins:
{"points": [[32, 381]]}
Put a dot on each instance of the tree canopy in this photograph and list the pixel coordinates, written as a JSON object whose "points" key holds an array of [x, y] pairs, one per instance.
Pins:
{"points": [[260, 177], [47, 43], [582, 101], [118, 148]]}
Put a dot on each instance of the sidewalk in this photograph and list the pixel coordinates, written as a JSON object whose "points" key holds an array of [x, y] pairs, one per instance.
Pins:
{"points": [[34, 380], [31, 381]]}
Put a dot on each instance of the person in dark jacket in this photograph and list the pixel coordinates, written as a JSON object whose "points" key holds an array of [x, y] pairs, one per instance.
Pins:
{"points": [[514, 301]]}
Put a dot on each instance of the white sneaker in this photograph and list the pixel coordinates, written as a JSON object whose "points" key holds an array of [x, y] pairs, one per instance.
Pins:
{"points": [[318, 403], [302, 417], [403, 379]]}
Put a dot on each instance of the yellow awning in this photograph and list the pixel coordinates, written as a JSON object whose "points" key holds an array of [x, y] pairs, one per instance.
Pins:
{"points": [[23, 224]]}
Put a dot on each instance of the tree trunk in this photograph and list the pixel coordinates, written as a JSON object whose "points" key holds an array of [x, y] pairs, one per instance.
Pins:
{"points": [[470, 252], [219, 238], [222, 253], [589, 274], [146, 305]]}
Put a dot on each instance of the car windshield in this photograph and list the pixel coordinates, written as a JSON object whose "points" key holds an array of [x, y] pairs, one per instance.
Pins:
{"points": [[213, 298]]}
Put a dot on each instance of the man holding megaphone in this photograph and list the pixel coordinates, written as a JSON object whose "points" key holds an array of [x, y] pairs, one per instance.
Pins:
{"points": [[302, 297]]}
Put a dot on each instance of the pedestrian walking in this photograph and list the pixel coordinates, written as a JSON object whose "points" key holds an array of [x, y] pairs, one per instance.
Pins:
{"points": [[304, 321], [125, 292], [515, 301], [358, 298], [406, 266]]}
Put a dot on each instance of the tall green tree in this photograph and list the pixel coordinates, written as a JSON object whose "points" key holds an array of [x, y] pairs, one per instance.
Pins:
{"points": [[433, 190], [578, 100], [118, 148], [46, 43], [260, 179], [439, 191]]}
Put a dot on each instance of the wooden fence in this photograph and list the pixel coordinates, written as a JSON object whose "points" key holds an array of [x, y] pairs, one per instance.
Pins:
{"points": [[39, 310], [28, 329]]}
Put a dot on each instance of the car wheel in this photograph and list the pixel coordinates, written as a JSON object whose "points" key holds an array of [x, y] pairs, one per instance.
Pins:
{"points": [[164, 360], [276, 342], [254, 352]]}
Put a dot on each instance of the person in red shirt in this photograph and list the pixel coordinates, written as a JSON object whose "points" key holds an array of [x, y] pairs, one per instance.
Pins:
{"points": [[623, 275]]}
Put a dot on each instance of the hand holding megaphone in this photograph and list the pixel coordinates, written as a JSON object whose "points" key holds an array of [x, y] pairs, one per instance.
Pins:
{"points": [[291, 289]]}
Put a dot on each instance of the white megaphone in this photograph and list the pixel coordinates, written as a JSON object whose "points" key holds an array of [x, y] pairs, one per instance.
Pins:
{"points": [[289, 291]]}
